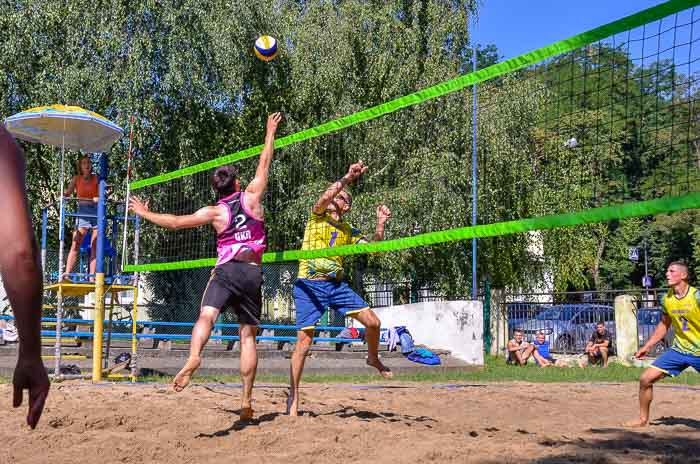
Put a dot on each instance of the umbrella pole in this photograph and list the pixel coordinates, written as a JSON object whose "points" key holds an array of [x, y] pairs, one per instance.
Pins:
{"points": [[59, 308]]}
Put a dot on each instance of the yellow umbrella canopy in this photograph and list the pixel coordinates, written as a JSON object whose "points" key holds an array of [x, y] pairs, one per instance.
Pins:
{"points": [[64, 126]]}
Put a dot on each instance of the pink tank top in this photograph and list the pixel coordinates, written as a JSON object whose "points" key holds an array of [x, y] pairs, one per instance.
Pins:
{"points": [[244, 237]]}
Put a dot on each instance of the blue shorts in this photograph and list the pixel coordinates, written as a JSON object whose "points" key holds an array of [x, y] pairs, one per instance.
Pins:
{"points": [[313, 297], [89, 208], [673, 362]]}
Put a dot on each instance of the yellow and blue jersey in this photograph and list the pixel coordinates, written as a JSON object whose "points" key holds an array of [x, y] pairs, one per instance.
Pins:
{"points": [[322, 231], [685, 319]]}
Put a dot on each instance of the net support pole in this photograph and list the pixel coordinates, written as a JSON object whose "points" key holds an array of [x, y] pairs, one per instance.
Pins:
{"points": [[100, 275], [134, 343], [474, 179]]}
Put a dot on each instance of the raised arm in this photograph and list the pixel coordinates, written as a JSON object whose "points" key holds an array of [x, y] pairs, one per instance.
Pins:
{"points": [[21, 276], [256, 188], [383, 215], [71, 188], [354, 171], [201, 217]]}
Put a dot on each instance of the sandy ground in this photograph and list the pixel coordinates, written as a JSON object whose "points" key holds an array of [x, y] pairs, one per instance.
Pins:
{"points": [[392, 423]]}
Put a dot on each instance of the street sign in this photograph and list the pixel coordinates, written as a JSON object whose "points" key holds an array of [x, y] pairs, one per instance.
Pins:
{"points": [[646, 281], [634, 254]]}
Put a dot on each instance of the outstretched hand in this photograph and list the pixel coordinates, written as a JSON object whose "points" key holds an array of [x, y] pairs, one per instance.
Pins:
{"points": [[383, 214], [641, 353], [33, 377], [272, 122], [137, 206], [356, 170]]}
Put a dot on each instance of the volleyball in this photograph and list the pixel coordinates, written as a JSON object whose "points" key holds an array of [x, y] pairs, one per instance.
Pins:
{"points": [[266, 48]]}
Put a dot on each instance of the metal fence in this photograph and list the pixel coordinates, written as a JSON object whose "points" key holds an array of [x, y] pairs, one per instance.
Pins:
{"points": [[381, 294], [569, 319]]}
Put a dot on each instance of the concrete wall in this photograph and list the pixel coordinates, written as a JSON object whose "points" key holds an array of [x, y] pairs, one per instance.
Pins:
{"points": [[448, 325]]}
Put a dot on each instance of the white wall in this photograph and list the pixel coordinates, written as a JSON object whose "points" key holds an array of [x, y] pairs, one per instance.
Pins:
{"points": [[457, 326]]}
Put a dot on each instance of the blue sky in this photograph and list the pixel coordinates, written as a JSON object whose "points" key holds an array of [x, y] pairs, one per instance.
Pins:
{"points": [[519, 26]]}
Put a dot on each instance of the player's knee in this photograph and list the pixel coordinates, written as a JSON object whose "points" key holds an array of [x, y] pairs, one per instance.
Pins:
{"points": [[648, 378], [207, 316], [371, 320], [248, 334], [303, 343], [303, 347]]}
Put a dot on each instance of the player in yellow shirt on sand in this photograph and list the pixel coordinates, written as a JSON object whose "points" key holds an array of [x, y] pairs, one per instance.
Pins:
{"points": [[681, 309], [320, 282]]}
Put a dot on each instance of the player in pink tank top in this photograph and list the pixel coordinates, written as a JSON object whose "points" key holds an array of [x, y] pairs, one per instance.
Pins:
{"points": [[236, 280], [244, 237]]}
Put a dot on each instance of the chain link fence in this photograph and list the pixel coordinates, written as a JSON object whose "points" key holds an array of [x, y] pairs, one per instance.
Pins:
{"points": [[169, 302]]}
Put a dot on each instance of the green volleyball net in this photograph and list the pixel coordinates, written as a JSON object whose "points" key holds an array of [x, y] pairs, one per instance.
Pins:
{"points": [[599, 127]]}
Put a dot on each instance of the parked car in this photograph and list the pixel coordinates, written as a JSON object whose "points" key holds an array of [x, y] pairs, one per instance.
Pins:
{"points": [[568, 326], [647, 320], [522, 310]]}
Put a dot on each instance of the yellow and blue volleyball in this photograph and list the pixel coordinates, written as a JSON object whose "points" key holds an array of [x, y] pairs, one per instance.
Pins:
{"points": [[266, 48]]}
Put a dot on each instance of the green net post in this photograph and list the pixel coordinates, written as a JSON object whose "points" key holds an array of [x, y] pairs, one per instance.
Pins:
{"points": [[487, 316]]}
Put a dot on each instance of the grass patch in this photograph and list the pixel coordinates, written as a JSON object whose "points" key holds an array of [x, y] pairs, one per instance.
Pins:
{"points": [[496, 370]]}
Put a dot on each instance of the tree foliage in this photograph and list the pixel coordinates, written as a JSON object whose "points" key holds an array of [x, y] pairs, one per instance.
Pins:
{"points": [[186, 72]]}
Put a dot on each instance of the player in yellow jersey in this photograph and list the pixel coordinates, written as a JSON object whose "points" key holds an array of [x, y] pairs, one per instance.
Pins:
{"points": [[320, 281], [681, 309]]}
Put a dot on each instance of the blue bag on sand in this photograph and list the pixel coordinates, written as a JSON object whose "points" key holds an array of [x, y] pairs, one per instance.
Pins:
{"points": [[423, 356]]}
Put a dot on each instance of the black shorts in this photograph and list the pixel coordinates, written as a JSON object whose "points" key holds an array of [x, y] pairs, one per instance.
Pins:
{"points": [[236, 285]]}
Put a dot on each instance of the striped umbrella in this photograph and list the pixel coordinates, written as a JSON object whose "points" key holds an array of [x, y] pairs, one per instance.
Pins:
{"points": [[70, 127]]}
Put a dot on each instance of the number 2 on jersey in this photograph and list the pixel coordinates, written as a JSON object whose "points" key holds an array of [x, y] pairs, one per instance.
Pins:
{"points": [[685, 324]]}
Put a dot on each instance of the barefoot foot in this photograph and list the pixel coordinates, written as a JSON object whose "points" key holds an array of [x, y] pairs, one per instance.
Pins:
{"points": [[292, 405], [246, 413], [383, 370], [182, 379], [635, 424]]}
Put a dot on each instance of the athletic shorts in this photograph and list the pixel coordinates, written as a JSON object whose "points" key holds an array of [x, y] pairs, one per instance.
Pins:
{"points": [[673, 362], [236, 285], [313, 297]]}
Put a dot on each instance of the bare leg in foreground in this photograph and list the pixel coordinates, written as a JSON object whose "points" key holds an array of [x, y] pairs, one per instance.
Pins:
{"points": [[200, 335], [304, 339], [372, 325], [249, 366], [646, 395]]}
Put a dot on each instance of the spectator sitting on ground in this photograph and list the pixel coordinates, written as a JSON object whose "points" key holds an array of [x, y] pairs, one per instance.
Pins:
{"points": [[598, 347], [543, 357], [519, 351]]}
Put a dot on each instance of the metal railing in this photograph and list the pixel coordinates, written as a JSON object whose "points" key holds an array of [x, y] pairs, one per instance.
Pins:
{"points": [[568, 319]]}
